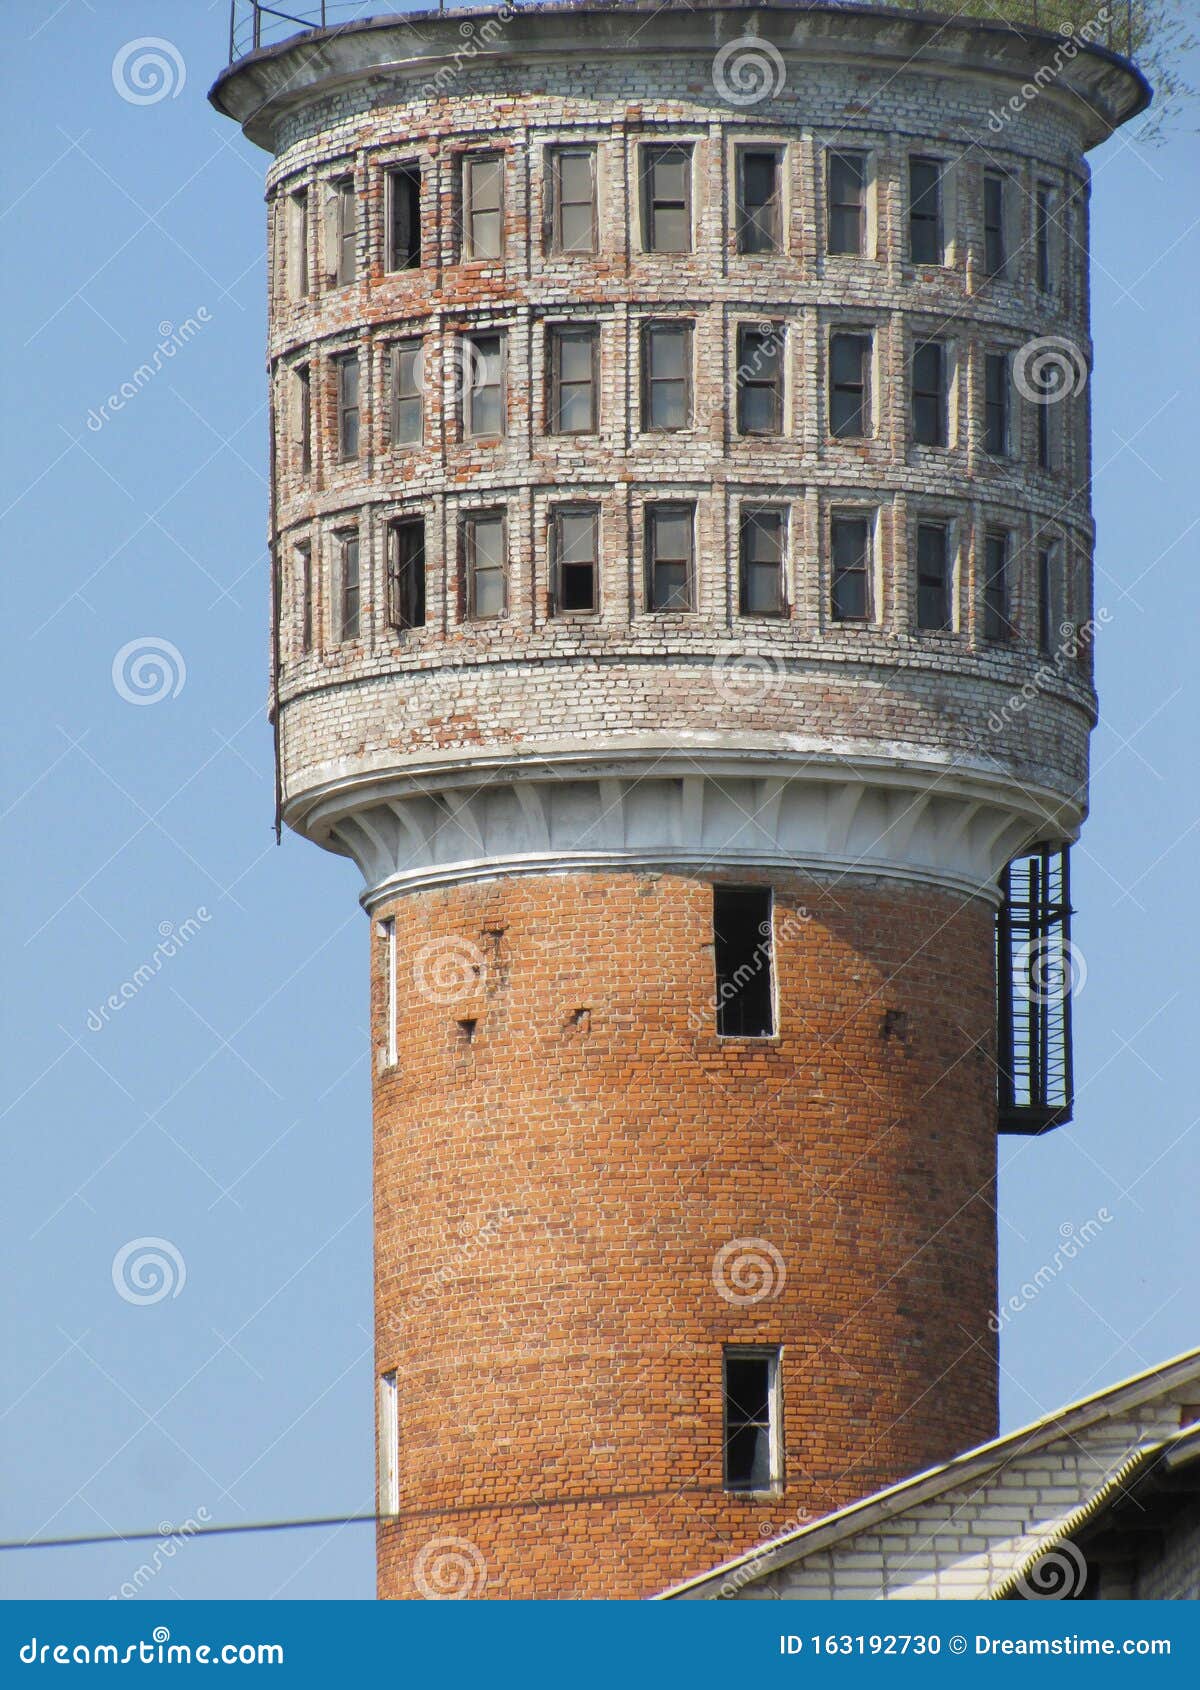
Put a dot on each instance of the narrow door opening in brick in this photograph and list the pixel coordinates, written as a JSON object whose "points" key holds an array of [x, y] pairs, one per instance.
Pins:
{"points": [[742, 944]]}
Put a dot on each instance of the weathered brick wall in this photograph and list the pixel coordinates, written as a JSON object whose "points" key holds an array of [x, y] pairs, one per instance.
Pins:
{"points": [[456, 685], [552, 1192]]}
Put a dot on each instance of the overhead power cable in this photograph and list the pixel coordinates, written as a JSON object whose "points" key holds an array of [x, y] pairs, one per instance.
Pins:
{"points": [[188, 1531]]}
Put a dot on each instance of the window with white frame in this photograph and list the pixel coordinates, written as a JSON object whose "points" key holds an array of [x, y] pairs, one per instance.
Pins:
{"points": [[753, 1418], [389, 1445]]}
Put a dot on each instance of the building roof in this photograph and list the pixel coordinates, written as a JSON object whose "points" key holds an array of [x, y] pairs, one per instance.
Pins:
{"points": [[975, 1464]]}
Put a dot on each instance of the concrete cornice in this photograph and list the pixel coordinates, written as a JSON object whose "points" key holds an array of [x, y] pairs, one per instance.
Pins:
{"points": [[1100, 88]]}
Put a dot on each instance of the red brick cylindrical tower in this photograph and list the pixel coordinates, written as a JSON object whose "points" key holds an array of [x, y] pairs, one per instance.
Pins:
{"points": [[682, 545]]}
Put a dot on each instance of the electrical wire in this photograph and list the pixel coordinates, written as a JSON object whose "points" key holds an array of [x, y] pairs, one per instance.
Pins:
{"points": [[185, 1531]]}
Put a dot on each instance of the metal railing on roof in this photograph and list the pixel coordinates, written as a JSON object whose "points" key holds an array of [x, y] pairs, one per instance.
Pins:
{"points": [[253, 25]]}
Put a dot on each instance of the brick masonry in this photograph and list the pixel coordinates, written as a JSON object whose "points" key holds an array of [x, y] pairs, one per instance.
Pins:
{"points": [[554, 1184]]}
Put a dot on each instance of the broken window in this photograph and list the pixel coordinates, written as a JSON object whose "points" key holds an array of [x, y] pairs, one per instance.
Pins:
{"points": [[574, 539], [404, 218], [752, 1429], [743, 948], [406, 573]]}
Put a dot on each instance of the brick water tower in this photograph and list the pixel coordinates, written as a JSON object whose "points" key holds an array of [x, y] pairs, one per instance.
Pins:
{"points": [[682, 594]]}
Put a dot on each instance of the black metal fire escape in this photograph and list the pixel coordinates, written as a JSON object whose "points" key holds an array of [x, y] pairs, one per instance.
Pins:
{"points": [[1035, 977]]}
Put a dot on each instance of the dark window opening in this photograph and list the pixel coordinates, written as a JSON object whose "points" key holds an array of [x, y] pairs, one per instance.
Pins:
{"points": [[304, 417], [997, 379], [758, 202], [667, 199], [849, 386], [751, 1392], [933, 576], [929, 407], [348, 570], [1046, 609], [406, 573], [743, 946], [760, 380], [997, 621], [850, 554], [1045, 438], [404, 230], [925, 236], [847, 208], [760, 572], [1042, 220], [574, 538], [995, 235], [305, 583]]}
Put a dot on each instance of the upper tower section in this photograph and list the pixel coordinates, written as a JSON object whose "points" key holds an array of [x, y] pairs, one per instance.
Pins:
{"points": [[681, 435]]}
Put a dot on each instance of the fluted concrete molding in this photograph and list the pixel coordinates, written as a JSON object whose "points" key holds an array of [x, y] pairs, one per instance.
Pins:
{"points": [[942, 825]]}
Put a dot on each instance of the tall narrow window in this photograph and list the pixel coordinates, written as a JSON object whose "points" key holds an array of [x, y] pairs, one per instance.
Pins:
{"points": [[846, 211], [1045, 437], [997, 618], [406, 573], [670, 543], [405, 402], [926, 236], [297, 243], [484, 396], [347, 544], [762, 538], [1043, 219], [1047, 605], [760, 379], [303, 416], [573, 199], [758, 219], [404, 218], [995, 233], [930, 419], [344, 213], [851, 587], [483, 206], [743, 946], [849, 386], [933, 577], [486, 564], [346, 367], [666, 375], [667, 198], [753, 1440], [388, 1435], [304, 590], [997, 404], [573, 360], [575, 549]]}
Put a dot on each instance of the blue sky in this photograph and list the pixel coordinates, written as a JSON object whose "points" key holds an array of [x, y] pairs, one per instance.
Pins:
{"points": [[225, 1108]]}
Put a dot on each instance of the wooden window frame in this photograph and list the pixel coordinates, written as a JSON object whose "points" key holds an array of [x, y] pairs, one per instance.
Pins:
{"points": [[998, 407], [471, 521], [398, 350], [842, 516], [995, 263], [940, 395], [406, 579], [998, 625], [750, 382], [649, 152], [470, 250], [945, 582], [837, 155], [468, 364], [575, 507], [411, 172], [749, 515], [862, 387], [555, 242], [772, 1355], [652, 511], [343, 363], [921, 219], [557, 333], [741, 218], [686, 328], [348, 542]]}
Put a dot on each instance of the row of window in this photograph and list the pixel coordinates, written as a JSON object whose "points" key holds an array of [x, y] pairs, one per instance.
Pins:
{"points": [[669, 559], [666, 211], [668, 389]]}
